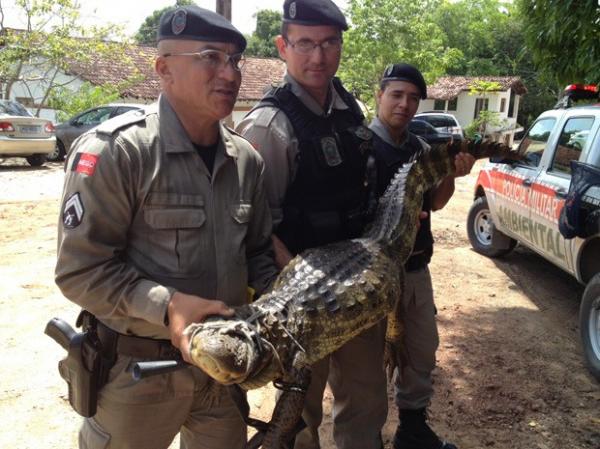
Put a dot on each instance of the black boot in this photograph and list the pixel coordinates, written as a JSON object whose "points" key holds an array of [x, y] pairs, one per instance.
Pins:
{"points": [[414, 433]]}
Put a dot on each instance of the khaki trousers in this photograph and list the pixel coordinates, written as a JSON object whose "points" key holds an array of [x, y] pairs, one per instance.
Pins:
{"points": [[358, 383], [414, 386], [148, 414]]}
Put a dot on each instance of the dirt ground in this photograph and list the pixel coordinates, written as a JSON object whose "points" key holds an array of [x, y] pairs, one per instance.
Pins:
{"points": [[510, 373]]}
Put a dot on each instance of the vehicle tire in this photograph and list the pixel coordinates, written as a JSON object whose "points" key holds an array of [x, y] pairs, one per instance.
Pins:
{"points": [[58, 155], [483, 235], [36, 160], [589, 325]]}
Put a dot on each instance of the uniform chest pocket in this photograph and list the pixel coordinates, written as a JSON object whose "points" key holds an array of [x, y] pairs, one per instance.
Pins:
{"points": [[175, 218], [241, 214], [179, 236]]}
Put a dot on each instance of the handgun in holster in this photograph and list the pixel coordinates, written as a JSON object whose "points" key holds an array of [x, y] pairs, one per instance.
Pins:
{"points": [[83, 368]]}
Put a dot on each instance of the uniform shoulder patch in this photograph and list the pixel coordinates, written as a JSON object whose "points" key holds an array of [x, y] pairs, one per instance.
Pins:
{"points": [[109, 127], [73, 211], [85, 163]]}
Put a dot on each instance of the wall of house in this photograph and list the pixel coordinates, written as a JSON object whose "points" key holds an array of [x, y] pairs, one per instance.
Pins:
{"points": [[239, 112], [31, 93], [465, 109]]}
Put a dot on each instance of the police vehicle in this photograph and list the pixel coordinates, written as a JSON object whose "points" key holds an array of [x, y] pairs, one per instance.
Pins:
{"points": [[521, 202]]}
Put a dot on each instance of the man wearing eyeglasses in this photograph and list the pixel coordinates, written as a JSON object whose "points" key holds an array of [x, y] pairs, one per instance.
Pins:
{"points": [[165, 222], [315, 143]]}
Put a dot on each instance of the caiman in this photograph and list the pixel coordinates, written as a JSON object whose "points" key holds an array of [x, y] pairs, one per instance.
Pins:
{"points": [[324, 297]]}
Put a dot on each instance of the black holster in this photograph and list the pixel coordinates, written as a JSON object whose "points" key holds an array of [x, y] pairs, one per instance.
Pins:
{"points": [[86, 367]]}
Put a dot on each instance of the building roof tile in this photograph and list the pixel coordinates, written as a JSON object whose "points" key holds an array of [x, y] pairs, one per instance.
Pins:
{"points": [[449, 87]]}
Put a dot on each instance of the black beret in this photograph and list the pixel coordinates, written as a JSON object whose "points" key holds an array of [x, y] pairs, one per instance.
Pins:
{"points": [[198, 24], [406, 72], [313, 12]]}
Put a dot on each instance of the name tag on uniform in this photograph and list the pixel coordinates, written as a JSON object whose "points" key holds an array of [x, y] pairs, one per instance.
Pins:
{"points": [[330, 151]]}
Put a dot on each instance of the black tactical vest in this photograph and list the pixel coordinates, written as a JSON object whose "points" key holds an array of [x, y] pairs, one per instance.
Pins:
{"points": [[326, 201], [388, 160]]}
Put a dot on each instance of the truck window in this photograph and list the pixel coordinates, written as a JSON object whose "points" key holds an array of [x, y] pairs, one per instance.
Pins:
{"points": [[534, 143], [571, 142]]}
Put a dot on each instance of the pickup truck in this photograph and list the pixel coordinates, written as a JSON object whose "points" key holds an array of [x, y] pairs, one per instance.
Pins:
{"points": [[521, 203]]}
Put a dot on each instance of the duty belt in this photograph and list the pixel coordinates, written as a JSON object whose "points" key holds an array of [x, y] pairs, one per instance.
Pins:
{"points": [[417, 262], [137, 347]]}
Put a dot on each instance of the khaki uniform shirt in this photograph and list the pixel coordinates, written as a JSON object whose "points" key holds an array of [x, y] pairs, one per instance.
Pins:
{"points": [[142, 218], [269, 130]]}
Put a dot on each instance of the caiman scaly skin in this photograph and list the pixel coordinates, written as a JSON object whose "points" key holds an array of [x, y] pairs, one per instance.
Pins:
{"points": [[324, 297]]}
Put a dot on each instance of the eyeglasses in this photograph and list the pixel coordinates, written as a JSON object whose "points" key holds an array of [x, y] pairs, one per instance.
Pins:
{"points": [[306, 46], [215, 59]]}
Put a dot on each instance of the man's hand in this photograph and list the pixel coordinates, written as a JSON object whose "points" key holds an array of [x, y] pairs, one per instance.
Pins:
{"points": [[282, 254], [422, 216], [184, 310], [463, 162]]}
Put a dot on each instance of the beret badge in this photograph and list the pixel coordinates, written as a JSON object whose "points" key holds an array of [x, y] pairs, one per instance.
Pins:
{"points": [[388, 71], [179, 21], [292, 10]]}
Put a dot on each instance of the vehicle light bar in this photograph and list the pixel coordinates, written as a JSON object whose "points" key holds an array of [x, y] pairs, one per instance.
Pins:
{"points": [[583, 87]]}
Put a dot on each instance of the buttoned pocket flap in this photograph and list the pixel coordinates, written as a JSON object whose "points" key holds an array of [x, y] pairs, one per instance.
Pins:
{"points": [[175, 218]]}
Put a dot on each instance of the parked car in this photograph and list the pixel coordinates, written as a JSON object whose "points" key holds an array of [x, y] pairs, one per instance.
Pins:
{"points": [[23, 135], [70, 130], [428, 133], [443, 122], [521, 202]]}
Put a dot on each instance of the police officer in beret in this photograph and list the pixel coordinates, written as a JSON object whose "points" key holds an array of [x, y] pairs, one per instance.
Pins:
{"points": [[401, 89], [165, 223], [316, 146]]}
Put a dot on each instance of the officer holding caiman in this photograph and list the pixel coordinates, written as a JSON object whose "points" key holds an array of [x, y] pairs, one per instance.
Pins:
{"points": [[165, 222], [315, 142]]}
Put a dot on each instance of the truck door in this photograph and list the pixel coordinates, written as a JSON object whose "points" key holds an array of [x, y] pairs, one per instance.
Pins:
{"points": [[551, 186], [512, 183]]}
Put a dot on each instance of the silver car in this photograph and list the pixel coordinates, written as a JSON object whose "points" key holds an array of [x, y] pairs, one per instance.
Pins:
{"points": [[23, 135], [70, 130]]}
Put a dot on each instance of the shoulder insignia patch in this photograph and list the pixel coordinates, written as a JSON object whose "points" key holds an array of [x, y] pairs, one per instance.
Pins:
{"points": [[85, 163], [73, 211], [120, 121]]}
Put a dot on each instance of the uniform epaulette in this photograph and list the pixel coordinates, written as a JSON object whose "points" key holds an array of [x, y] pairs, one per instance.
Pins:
{"points": [[111, 126], [266, 115]]}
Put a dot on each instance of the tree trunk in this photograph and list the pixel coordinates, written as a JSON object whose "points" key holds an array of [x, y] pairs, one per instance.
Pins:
{"points": [[224, 8]]}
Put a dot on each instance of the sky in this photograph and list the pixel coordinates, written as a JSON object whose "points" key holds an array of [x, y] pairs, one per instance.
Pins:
{"points": [[131, 13]]}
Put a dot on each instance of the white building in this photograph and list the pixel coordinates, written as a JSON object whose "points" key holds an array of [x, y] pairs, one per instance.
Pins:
{"points": [[451, 94]]}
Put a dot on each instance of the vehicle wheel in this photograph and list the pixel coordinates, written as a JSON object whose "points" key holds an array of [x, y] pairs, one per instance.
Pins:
{"points": [[589, 324], [483, 235], [36, 160], [58, 154]]}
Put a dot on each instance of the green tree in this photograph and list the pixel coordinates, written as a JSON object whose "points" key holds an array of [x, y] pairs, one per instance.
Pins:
{"points": [[490, 36], [146, 34], [389, 31], [262, 42], [483, 30], [67, 102], [37, 58], [564, 38]]}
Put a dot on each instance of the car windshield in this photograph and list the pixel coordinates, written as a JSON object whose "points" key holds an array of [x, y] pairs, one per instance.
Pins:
{"points": [[13, 108]]}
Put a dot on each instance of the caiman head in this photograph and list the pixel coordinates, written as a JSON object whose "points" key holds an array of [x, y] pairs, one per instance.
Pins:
{"points": [[228, 350]]}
